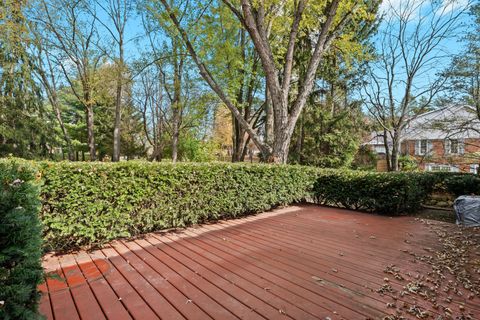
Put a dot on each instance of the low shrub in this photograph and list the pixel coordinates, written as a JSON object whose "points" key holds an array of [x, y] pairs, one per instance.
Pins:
{"points": [[386, 193], [90, 203], [20, 241], [465, 184]]}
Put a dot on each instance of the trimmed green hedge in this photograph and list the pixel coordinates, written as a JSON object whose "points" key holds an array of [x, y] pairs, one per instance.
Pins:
{"points": [[86, 204], [20, 241], [90, 203], [380, 192], [465, 184]]}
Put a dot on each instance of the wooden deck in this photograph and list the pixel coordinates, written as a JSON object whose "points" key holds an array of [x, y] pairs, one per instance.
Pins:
{"points": [[305, 262]]}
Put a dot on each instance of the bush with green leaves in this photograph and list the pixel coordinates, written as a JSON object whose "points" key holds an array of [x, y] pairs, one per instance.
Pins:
{"points": [[86, 204], [20, 240], [89, 203], [381, 192], [462, 184]]}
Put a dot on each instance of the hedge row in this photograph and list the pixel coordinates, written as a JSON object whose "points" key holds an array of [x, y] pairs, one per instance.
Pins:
{"points": [[89, 203], [461, 184], [389, 193], [86, 204], [385, 193], [20, 241]]}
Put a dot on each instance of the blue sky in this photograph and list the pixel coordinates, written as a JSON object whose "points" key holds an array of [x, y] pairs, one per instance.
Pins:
{"points": [[138, 43], [424, 15]]}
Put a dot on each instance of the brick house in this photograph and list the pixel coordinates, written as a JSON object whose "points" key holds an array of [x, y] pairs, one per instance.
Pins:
{"points": [[446, 139]]}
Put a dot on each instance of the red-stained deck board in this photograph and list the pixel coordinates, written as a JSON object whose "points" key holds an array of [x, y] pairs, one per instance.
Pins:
{"points": [[83, 296], [194, 263], [202, 289], [45, 305], [303, 262], [60, 295], [103, 291], [287, 272], [285, 284]]}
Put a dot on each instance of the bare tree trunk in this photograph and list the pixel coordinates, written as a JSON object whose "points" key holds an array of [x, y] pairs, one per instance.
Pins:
{"points": [[394, 159], [238, 131], [395, 152], [235, 138], [176, 103], [280, 149], [387, 150], [245, 150], [239, 142], [300, 139], [175, 134], [269, 119], [90, 133], [118, 105], [65, 134], [158, 139]]}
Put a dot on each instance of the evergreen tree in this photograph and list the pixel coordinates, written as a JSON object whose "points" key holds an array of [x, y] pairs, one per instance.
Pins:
{"points": [[464, 72], [24, 127]]}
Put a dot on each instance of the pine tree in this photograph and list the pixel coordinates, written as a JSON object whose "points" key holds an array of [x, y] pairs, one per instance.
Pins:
{"points": [[23, 125]]}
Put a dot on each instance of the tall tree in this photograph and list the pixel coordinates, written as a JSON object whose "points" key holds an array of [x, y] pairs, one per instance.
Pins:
{"points": [[464, 72], [23, 124], [178, 62], [331, 125], [323, 21], [411, 41], [72, 32], [463, 85], [44, 67], [105, 97], [171, 61], [149, 96], [236, 66], [118, 12]]}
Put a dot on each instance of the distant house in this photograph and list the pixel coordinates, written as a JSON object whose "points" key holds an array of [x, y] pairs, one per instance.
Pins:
{"points": [[446, 139], [376, 142]]}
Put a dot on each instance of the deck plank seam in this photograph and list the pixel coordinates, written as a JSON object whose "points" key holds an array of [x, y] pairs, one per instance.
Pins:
{"points": [[221, 289]]}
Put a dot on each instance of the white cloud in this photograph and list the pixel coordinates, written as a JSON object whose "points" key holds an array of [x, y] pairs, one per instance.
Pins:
{"points": [[416, 7], [454, 5]]}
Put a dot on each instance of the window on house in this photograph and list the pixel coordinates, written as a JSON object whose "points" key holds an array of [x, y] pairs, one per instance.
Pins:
{"points": [[441, 167], [423, 147], [474, 168], [454, 146], [380, 149]]}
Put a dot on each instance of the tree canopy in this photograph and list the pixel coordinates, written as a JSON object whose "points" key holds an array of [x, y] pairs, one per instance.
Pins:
{"points": [[237, 80]]}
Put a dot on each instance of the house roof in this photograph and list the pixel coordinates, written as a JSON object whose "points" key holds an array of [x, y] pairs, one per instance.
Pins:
{"points": [[375, 138], [454, 121]]}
